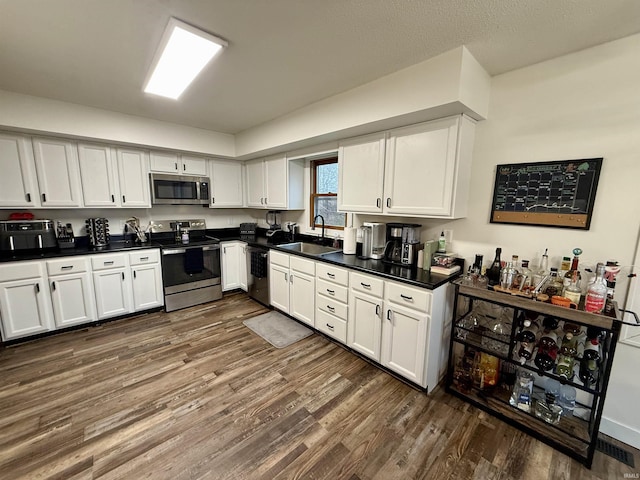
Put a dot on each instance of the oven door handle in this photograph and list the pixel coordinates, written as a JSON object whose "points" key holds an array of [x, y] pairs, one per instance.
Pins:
{"points": [[177, 251]]}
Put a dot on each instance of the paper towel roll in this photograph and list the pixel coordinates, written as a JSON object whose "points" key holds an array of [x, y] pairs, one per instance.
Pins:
{"points": [[349, 243]]}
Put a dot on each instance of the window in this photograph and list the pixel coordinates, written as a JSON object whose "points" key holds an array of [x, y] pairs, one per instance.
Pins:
{"points": [[324, 193]]}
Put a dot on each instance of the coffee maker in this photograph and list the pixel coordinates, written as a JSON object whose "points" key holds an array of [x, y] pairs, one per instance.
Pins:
{"points": [[403, 244], [373, 242]]}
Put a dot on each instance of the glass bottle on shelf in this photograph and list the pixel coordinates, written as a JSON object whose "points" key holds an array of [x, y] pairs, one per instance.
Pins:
{"points": [[565, 265], [564, 368], [567, 400], [548, 410], [547, 351], [522, 390], [590, 363], [573, 271], [507, 275], [493, 272], [543, 268], [524, 279], [527, 338], [597, 292], [573, 291], [550, 323], [554, 284]]}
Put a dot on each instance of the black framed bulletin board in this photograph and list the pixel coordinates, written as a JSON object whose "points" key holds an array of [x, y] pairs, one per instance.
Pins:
{"points": [[551, 194]]}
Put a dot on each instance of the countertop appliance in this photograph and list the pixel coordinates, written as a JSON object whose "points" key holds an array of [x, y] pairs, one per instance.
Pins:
{"points": [[98, 231], [373, 240], [18, 235], [275, 233], [258, 273], [248, 231], [169, 189], [403, 244], [191, 272]]}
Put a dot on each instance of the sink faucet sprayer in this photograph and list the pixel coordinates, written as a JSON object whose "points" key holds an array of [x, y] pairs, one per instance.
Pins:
{"points": [[313, 227]]}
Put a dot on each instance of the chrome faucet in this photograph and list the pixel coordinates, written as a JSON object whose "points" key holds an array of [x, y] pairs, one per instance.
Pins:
{"points": [[314, 226]]}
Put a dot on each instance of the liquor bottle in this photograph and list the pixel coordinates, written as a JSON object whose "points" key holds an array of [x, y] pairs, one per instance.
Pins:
{"points": [[573, 291], [543, 268], [493, 272], [522, 390], [597, 292], [507, 275], [565, 265], [547, 351], [611, 269], [590, 363], [548, 410], [525, 278], [568, 276], [477, 264], [554, 284]]}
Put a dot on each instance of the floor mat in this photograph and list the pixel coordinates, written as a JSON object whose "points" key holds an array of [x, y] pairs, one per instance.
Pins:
{"points": [[277, 329]]}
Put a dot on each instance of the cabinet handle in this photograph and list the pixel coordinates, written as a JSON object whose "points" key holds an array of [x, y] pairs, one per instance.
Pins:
{"points": [[377, 310], [113, 199], [261, 201], [123, 199], [286, 277], [37, 288], [331, 275], [389, 315], [265, 201], [175, 165], [366, 285], [330, 308], [108, 263], [388, 202], [291, 278], [40, 241], [134, 274], [53, 286], [224, 250], [184, 167], [122, 273], [213, 199], [378, 202], [331, 292], [44, 197], [144, 259], [408, 299], [66, 267], [29, 197], [330, 327]]}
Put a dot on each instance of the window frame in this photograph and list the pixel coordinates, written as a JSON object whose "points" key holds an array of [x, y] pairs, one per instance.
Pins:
{"points": [[313, 164]]}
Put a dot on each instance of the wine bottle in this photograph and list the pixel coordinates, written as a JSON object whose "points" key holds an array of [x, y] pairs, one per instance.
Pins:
{"points": [[493, 272]]}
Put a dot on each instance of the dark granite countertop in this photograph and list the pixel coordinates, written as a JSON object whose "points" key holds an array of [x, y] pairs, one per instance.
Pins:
{"points": [[114, 246]]}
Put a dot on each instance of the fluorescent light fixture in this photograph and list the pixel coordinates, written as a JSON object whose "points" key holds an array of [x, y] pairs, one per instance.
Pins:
{"points": [[183, 52]]}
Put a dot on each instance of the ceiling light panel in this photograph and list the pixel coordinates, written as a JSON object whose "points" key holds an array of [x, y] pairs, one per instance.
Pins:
{"points": [[183, 52]]}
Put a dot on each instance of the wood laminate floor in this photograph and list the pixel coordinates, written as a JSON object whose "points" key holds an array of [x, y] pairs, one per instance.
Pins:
{"points": [[194, 394]]}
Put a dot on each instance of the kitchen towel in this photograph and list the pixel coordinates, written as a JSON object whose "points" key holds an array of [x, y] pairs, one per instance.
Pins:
{"points": [[259, 264], [193, 260], [349, 244]]}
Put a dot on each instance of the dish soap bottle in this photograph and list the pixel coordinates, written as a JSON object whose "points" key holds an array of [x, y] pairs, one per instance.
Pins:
{"points": [[442, 243]]}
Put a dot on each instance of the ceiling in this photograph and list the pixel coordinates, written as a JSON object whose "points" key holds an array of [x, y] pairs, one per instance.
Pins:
{"points": [[282, 54]]}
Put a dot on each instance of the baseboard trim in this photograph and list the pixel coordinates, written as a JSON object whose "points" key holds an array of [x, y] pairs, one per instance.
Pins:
{"points": [[620, 432]]}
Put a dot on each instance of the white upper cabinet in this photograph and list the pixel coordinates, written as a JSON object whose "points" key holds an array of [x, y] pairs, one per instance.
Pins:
{"points": [[275, 182], [361, 174], [18, 184], [58, 172], [226, 183], [98, 171], [133, 172], [421, 170], [170, 162]]}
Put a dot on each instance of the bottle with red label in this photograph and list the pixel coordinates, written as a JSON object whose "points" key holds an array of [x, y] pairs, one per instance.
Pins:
{"points": [[597, 292]]}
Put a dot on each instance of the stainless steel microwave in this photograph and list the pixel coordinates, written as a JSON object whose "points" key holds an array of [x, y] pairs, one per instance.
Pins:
{"points": [[179, 189]]}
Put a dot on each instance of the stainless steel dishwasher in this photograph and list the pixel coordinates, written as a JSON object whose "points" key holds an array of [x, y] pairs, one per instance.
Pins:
{"points": [[258, 273]]}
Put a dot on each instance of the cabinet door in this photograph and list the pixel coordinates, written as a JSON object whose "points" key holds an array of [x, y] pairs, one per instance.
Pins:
{"points": [[147, 287], [98, 173], [167, 162], [73, 299], [25, 308], [279, 287], [255, 183], [226, 183], [243, 266], [420, 167], [193, 165], [133, 170], [58, 172], [276, 182], [230, 265], [404, 342], [361, 173], [302, 297], [365, 324], [18, 185], [113, 292]]}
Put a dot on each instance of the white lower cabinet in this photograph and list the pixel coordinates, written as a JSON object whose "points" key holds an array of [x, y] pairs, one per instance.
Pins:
{"points": [[332, 310], [234, 265], [292, 285], [112, 282], [365, 324], [25, 303], [72, 292], [147, 279]]}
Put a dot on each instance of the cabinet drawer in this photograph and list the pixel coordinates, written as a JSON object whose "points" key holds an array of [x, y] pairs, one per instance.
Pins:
{"points": [[331, 290], [20, 271], [332, 326], [278, 258], [367, 284], [300, 264], [102, 262], [416, 298], [332, 274], [144, 256], [67, 265], [332, 306]]}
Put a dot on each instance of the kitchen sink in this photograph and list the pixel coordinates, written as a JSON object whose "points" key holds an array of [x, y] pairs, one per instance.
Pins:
{"points": [[309, 248]]}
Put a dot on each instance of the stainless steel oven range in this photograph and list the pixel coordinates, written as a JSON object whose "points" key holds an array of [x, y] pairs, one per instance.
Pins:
{"points": [[191, 272]]}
